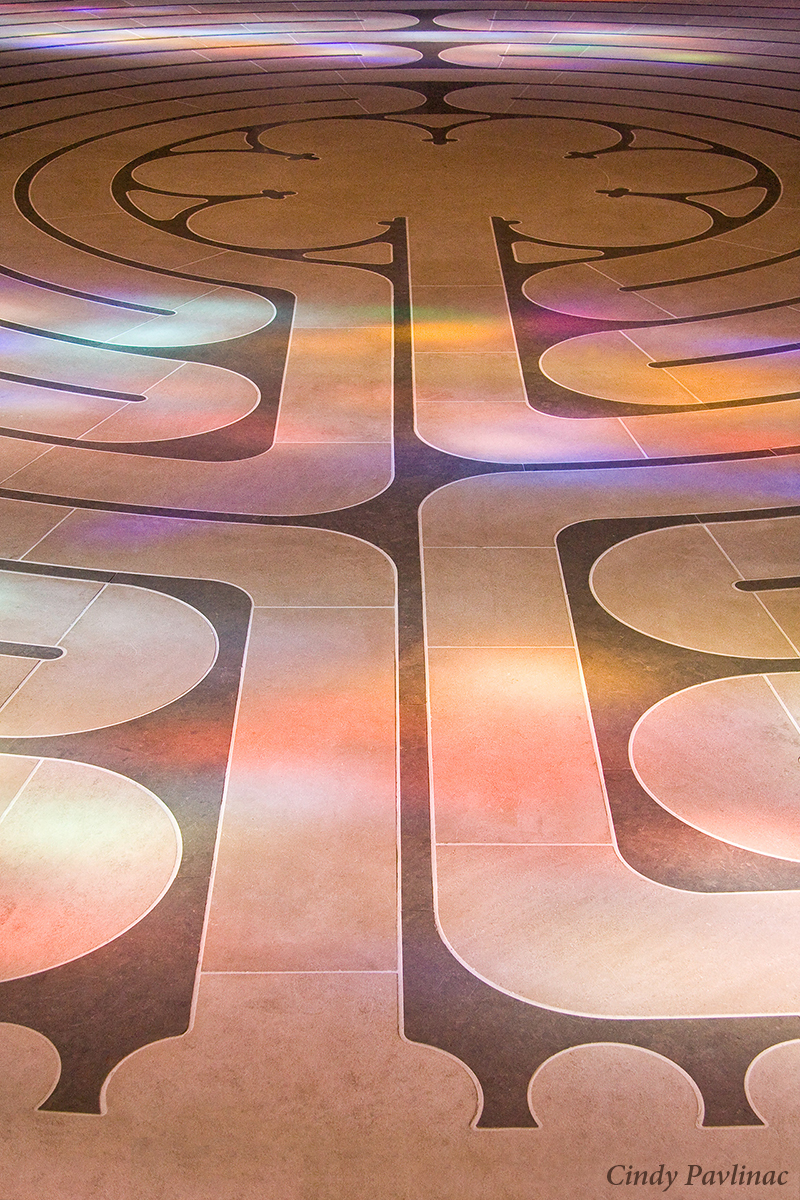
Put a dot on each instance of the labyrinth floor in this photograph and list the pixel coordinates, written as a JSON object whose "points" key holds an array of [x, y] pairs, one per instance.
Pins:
{"points": [[399, 600]]}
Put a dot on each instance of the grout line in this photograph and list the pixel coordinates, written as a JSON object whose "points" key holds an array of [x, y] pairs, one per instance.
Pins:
{"points": [[20, 685], [327, 607], [32, 672], [332, 971], [29, 463], [649, 358], [495, 646], [794, 720], [755, 595], [125, 405], [20, 789], [179, 367], [52, 529], [634, 439], [611, 279]]}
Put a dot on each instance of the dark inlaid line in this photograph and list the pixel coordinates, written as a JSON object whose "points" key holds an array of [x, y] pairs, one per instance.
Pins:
{"points": [[741, 270], [56, 386], [734, 356], [768, 585], [68, 291], [23, 650]]}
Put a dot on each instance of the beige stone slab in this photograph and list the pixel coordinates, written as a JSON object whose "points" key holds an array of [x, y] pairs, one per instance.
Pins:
{"points": [[289, 479], [536, 252], [494, 597], [511, 748], [784, 608], [15, 770], [575, 929], [276, 565], [766, 548], [450, 318], [472, 377], [13, 672], [159, 646], [328, 297], [615, 367], [587, 290], [15, 454], [39, 610], [23, 523], [723, 431], [28, 304], [774, 231], [742, 379], [87, 366], [737, 334], [197, 313], [723, 757], [210, 315], [191, 399], [54, 413], [677, 585], [340, 386], [761, 284], [518, 508], [306, 872], [85, 854], [787, 688], [679, 262], [516, 433], [176, 400]]}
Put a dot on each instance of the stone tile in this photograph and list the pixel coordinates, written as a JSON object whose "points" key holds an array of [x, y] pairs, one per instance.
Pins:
{"points": [[85, 854], [307, 862], [511, 748], [157, 645], [276, 565], [494, 597], [749, 799], [573, 928]]}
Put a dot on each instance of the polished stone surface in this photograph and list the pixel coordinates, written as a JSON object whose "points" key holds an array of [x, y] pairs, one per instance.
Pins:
{"points": [[399, 599]]}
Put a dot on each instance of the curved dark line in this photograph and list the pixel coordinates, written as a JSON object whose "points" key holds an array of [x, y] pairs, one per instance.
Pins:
{"points": [[46, 285], [190, 78], [26, 207], [318, 520], [157, 69], [768, 585], [755, 266], [178, 60], [223, 443], [553, 60], [271, 59], [22, 650], [735, 356], [458, 82], [56, 386], [73, 340], [495, 38]]}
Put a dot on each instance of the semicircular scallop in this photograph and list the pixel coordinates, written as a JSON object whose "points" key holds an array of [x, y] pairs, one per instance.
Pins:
{"points": [[752, 796], [125, 651], [84, 855]]}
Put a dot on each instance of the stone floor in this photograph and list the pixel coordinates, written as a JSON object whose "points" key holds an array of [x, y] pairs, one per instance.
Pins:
{"points": [[399, 600]]}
